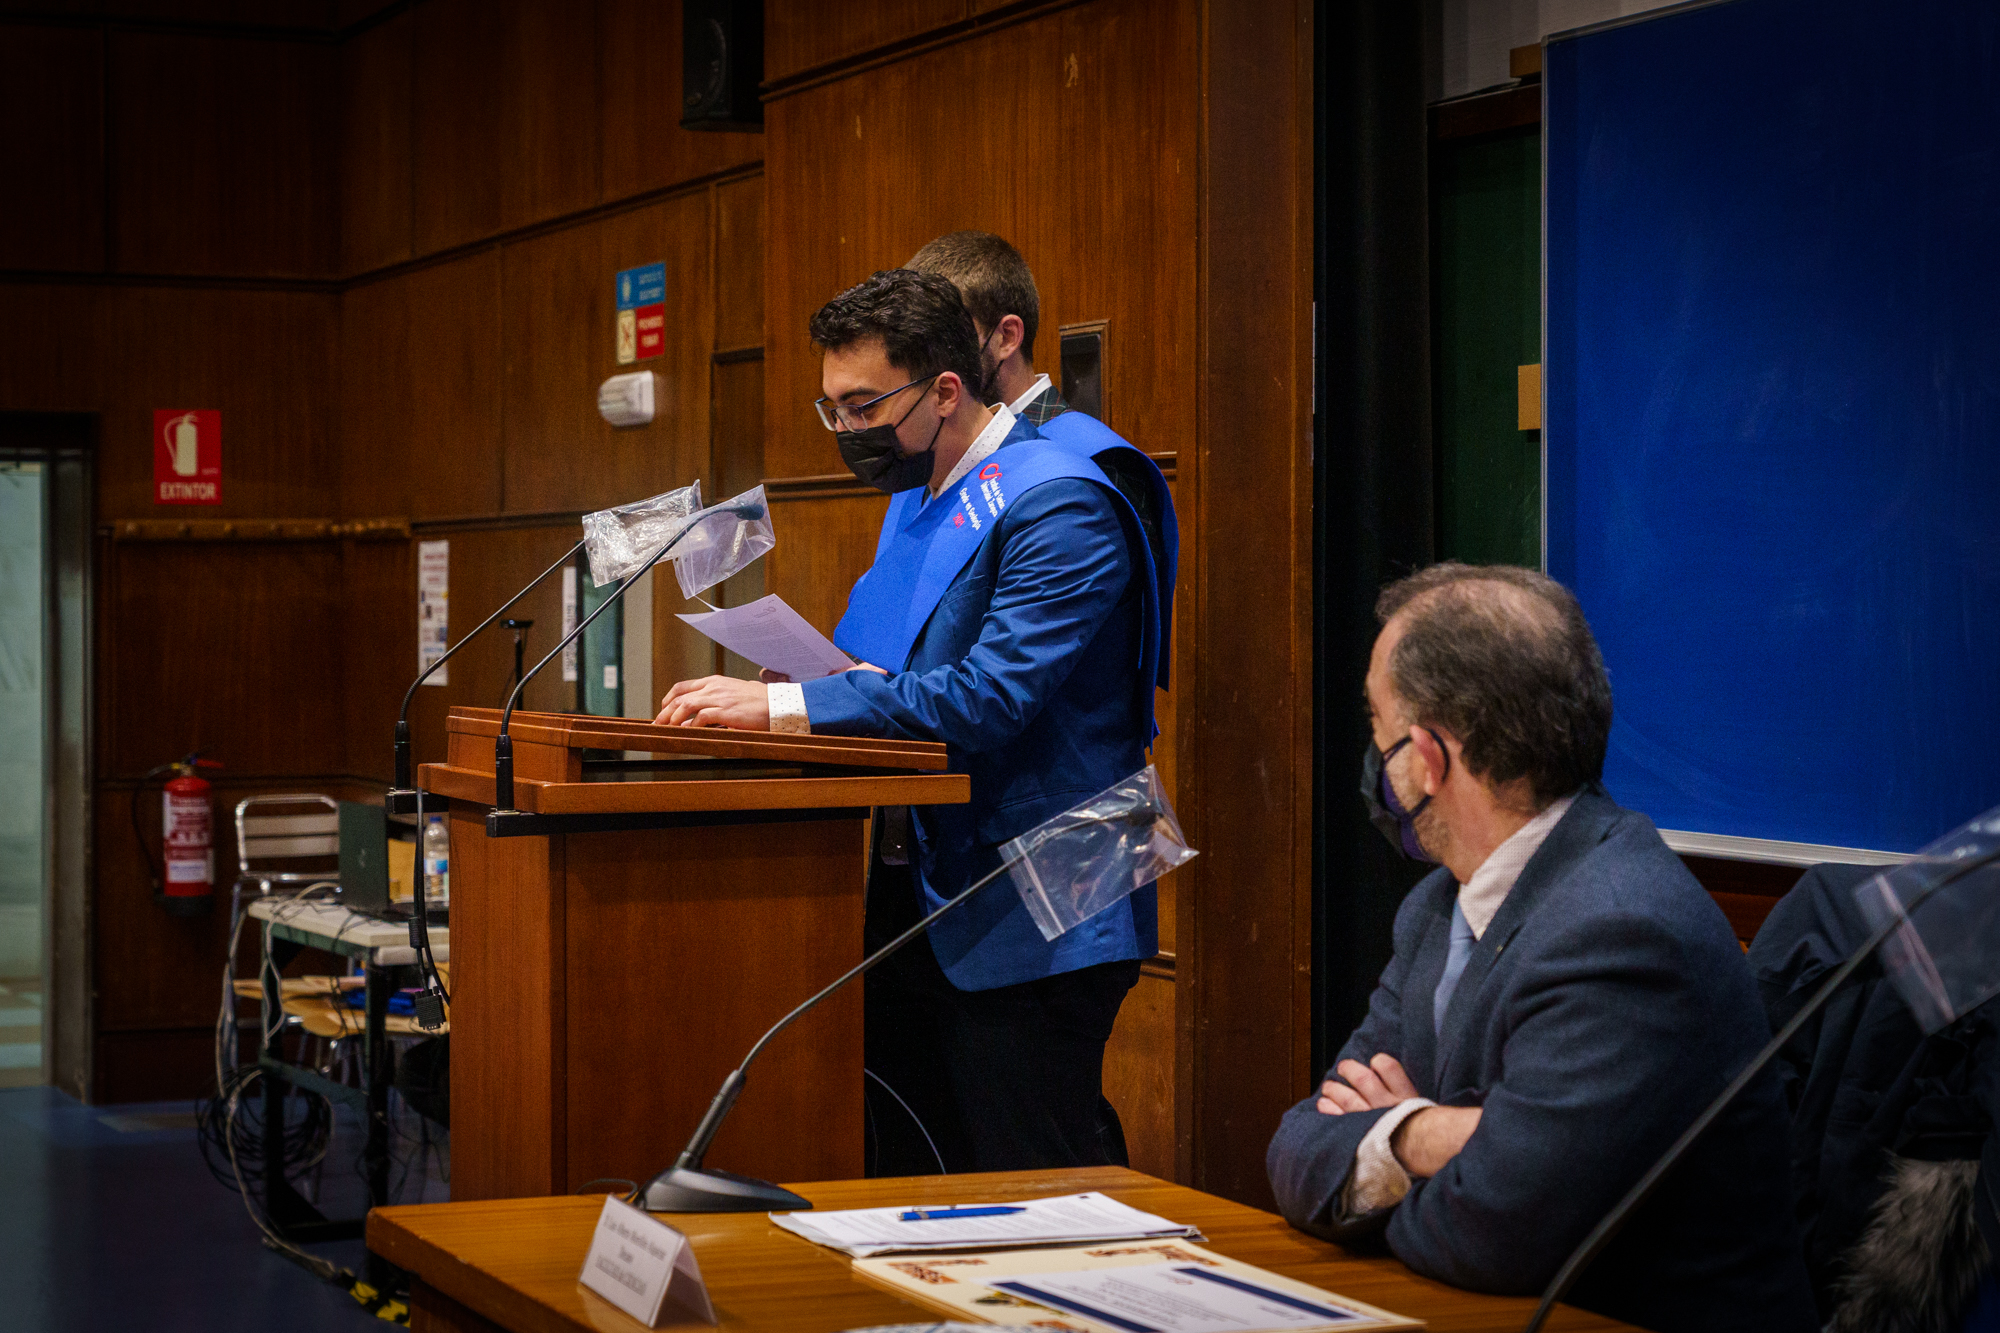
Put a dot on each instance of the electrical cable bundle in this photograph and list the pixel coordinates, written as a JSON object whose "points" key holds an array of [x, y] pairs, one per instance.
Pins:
{"points": [[230, 1125], [222, 1130], [230, 1129]]}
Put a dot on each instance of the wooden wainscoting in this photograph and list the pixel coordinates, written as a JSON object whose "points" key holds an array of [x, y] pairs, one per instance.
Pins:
{"points": [[1139, 1065]]}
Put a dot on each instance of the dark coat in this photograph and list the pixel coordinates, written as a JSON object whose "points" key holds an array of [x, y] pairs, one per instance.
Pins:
{"points": [[1606, 1004], [1865, 1086]]}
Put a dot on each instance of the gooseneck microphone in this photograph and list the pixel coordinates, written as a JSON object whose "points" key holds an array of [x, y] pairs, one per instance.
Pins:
{"points": [[403, 785], [689, 1187], [1602, 1235], [432, 998], [503, 745]]}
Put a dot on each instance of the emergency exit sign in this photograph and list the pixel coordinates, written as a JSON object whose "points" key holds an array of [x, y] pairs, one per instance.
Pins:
{"points": [[642, 313]]}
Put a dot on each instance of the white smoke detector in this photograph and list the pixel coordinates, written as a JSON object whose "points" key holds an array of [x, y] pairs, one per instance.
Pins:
{"points": [[627, 400]]}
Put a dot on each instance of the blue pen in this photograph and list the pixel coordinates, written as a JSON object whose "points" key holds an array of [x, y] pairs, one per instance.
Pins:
{"points": [[941, 1214]]}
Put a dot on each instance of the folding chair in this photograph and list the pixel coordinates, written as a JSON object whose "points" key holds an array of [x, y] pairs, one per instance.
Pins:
{"points": [[287, 839]]}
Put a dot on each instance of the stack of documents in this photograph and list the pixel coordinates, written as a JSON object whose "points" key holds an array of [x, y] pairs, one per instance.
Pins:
{"points": [[1157, 1287], [1065, 1220]]}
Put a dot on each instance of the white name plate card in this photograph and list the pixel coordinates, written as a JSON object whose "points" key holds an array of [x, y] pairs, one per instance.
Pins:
{"points": [[643, 1266]]}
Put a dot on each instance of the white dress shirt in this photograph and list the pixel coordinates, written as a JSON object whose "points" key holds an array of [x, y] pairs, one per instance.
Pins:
{"points": [[787, 702], [1379, 1180]]}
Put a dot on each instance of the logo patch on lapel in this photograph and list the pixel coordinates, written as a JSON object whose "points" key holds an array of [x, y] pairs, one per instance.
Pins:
{"points": [[989, 490]]}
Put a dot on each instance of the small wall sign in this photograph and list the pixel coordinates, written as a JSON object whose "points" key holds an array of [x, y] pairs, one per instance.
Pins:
{"points": [[642, 313], [643, 1266], [187, 456], [433, 607]]}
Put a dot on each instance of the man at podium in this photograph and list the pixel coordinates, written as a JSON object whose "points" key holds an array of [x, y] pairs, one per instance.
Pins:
{"points": [[1009, 615]]}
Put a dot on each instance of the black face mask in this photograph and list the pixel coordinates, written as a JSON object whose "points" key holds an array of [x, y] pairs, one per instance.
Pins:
{"points": [[875, 457], [1385, 809]]}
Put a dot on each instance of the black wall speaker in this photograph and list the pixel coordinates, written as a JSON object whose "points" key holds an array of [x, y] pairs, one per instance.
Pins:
{"points": [[722, 62]]}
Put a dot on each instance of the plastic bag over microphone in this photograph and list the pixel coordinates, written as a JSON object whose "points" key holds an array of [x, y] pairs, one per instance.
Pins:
{"points": [[725, 540], [620, 541], [1944, 956], [1070, 868]]}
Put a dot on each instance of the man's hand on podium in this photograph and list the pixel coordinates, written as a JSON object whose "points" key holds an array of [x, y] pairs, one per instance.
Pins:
{"points": [[724, 701], [717, 701]]}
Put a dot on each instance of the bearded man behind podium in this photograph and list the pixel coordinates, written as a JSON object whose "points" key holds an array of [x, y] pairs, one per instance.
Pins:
{"points": [[1563, 1000]]}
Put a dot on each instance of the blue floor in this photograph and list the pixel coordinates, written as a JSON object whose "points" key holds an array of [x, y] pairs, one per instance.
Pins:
{"points": [[109, 1219]]}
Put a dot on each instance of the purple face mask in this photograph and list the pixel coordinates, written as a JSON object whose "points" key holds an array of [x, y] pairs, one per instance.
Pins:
{"points": [[1385, 810]]}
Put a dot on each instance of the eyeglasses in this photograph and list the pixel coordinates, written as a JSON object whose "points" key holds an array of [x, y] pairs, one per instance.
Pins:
{"points": [[854, 416]]}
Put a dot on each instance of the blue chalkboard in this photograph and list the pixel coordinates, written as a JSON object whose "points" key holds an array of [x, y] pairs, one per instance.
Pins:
{"points": [[1772, 414]]}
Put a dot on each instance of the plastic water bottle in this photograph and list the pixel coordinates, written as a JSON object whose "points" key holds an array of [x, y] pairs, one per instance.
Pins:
{"points": [[437, 862]]}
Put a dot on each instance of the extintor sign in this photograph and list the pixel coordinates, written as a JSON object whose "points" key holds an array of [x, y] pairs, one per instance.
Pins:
{"points": [[187, 456]]}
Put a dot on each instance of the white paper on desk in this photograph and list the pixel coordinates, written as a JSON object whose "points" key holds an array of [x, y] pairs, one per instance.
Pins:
{"points": [[863, 1232], [775, 637], [1175, 1298]]}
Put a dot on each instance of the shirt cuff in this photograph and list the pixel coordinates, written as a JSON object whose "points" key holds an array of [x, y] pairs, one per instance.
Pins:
{"points": [[788, 709], [1379, 1180]]}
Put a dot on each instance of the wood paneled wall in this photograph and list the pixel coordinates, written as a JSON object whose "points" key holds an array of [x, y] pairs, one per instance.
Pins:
{"points": [[1070, 132], [1248, 774], [1078, 131], [382, 239]]}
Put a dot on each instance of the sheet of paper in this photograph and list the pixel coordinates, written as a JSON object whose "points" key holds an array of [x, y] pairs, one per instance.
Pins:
{"points": [[1068, 1217], [1175, 1298], [775, 637]]}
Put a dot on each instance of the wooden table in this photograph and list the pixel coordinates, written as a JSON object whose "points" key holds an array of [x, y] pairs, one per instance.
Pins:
{"points": [[512, 1264]]}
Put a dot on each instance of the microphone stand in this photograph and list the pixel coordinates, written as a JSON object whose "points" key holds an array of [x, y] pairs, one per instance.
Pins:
{"points": [[433, 998], [397, 798], [688, 1187], [503, 745], [1614, 1221]]}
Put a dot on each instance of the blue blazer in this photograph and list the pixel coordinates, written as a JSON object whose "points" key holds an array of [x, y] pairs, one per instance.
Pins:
{"points": [[1605, 1006], [1028, 672], [1140, 480]]}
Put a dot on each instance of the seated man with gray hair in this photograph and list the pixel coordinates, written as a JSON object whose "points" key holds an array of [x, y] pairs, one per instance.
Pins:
{"points": [[1562, 1002]]}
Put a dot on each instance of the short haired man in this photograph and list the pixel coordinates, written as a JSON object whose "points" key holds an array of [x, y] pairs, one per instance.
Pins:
{"points": [[1563, 1000], [1002, 616], [999, 290]]}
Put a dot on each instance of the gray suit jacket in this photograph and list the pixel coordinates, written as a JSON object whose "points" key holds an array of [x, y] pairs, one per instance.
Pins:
{"points": [[1606, 1004]]}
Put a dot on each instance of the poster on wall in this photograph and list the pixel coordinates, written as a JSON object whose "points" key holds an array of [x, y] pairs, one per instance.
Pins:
{"points": [[569, 621], [642, 313], [187, 456], [433, 601]]}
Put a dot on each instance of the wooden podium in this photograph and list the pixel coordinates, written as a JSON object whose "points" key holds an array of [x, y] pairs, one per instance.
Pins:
{"points": [[622, 937]]}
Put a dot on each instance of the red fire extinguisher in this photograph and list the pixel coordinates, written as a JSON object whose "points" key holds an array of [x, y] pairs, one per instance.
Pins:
{"points": [[184, 883]]}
